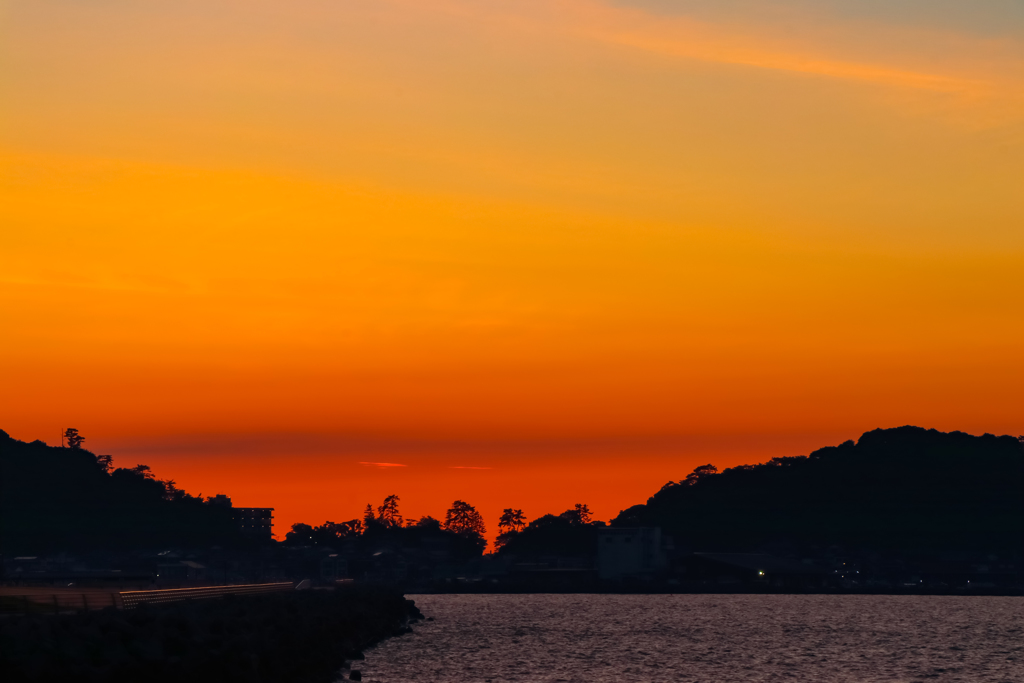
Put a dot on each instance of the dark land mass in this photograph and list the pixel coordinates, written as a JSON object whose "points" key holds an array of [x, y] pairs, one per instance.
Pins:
{"points": [[900, 510], [70, 500], [903, 510], [905, 492], [300, 636]]}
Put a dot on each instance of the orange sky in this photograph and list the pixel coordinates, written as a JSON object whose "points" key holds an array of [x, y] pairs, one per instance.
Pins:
{"points": [[580, 246]]}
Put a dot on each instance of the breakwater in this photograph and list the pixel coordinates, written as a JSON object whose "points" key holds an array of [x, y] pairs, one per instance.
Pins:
{"points": [[300, 637]]}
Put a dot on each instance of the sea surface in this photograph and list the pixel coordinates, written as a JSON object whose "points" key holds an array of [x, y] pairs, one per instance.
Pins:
{"points": [[707, 638]]}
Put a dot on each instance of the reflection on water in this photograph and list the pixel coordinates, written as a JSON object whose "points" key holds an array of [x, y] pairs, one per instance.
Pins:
{"points": [[710, 638]]}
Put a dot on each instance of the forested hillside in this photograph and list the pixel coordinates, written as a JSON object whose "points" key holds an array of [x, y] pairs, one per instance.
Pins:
{"points": [[65, 499], [899, 492]]}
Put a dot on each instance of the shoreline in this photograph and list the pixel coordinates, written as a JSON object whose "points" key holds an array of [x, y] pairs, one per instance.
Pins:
{"points": [[662, 589]]}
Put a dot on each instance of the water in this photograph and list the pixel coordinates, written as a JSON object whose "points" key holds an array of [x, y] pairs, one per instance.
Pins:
{"points": [[708, 638]]}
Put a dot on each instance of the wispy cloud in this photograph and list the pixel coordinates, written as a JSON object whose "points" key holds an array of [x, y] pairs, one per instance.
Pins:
{"points": [[973, 69], [764, 48], [382, 464]]}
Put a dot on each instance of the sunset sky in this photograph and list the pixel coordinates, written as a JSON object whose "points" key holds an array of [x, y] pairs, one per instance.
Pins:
{"points": [[526, 253]]}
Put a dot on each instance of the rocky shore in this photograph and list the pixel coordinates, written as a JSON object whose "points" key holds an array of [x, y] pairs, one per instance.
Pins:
{"points": [[297, 637]]}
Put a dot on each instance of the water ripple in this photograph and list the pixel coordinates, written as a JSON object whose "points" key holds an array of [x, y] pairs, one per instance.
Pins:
{"points": [[706, 638]]}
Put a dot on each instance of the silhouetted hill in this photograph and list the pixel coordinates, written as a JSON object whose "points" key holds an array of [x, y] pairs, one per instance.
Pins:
{"points": [[64, 499], [904, 492]]}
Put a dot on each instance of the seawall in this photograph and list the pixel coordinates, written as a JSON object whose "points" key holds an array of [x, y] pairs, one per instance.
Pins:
{"points": [[301, 636]]}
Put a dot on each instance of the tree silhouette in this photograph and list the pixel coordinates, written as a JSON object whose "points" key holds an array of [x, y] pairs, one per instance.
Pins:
{"points": [[553, 535], [512, 520], [301, 534], [463, 519], [352, 527], [583, 513], [141, 471], [368, 517], [426, 522], [106, 462], [510, 523], [330, 532], [579, 515], [171, 490], [325, 534], [73, 439], [388, 514], [699, 473]]}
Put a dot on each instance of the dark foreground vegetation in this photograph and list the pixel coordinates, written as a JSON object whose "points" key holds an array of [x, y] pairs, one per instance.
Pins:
{"points": [[298, 637]]}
